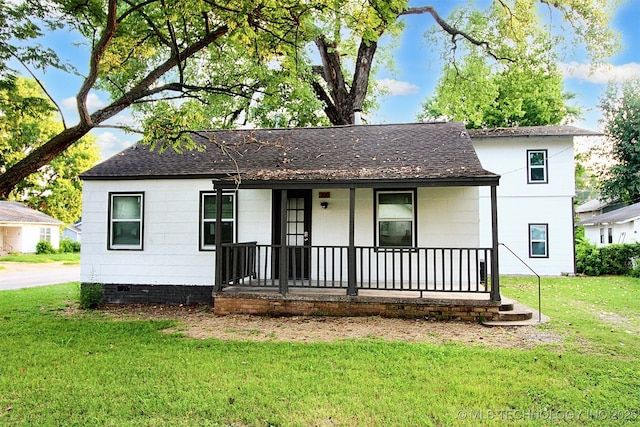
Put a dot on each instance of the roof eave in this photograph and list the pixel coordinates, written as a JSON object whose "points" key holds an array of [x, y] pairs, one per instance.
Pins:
{"points": [[358, 183]]}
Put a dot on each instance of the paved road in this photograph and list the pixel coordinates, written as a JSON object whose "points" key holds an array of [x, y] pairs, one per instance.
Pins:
{"points": [[18, 275]]}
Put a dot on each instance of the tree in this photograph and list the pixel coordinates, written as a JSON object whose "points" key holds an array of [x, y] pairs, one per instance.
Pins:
{"points": [[142, 52], [519, 85], [27, 121], [621, 109], [518, 95], [183, 62]]}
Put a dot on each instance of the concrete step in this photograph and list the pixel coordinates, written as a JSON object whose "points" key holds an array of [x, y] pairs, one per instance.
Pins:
{"points": [[506, 306], [512, 313], [514, 316]]}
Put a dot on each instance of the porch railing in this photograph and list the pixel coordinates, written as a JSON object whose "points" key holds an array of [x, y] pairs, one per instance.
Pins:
{"points": [[397, 269]]}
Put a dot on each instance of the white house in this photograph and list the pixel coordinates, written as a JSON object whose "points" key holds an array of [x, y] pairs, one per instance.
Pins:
{"points": [[21, 228], [535, 197], [617, 226], [380, 207]]}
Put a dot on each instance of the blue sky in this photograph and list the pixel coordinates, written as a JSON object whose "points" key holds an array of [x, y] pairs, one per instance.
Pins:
{"points": [[417, 71], [419, 68]]}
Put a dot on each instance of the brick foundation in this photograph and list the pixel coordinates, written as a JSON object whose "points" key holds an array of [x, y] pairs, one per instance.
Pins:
{"points": [[471, 310], [156, 294]]}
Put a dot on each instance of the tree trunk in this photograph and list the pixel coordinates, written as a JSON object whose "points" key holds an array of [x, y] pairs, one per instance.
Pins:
{"points": [[341, 102], [40, 157]]}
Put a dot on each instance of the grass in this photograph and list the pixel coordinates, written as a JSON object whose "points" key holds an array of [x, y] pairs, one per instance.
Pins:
{"points": [[67, 367], [65, 258]]}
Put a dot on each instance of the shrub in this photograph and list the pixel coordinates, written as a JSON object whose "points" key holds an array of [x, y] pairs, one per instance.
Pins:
{"points": [[45, 247], [588, 259], [90, 295], [68, 246], [614, 259]]}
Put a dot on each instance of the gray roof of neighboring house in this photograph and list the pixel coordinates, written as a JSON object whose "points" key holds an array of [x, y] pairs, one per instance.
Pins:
{"points": [[434, 152], [618, 216], [14, 212], [530, 131], [591, 205]]}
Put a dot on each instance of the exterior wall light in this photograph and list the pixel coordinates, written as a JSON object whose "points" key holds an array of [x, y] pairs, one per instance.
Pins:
{"points": [[324, 205]]}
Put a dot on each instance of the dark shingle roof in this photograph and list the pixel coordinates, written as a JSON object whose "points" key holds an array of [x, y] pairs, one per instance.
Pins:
{"points": [[619, 216], [423, 151], [531, 131], [17, 212]]}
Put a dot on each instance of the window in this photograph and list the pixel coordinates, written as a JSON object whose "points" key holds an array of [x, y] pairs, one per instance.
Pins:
{"points": [[395, 218], [537, 166], [538, 241], [45, 234], [208, 220], [125, 220], [610, 235], [602, 235]]}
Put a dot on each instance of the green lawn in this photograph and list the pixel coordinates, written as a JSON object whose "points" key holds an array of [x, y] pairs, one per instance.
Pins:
{"points": [[65, 258], [61, 366]]}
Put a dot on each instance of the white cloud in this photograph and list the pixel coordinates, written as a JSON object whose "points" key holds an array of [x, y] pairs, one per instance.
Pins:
{"points": [[110, 143], [93, 102], [601, 74], [395, 87]]}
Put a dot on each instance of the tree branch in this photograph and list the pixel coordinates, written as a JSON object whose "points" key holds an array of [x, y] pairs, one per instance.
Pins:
{"points": [[96, 57], [44, 89], [360, 83], [453, 31], [56, 145]]}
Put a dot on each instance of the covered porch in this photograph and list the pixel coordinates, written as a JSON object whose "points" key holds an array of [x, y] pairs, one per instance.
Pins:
{"points": [[299, 278]]}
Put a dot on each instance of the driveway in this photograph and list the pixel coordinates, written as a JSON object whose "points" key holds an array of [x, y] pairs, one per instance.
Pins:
{"points": [[16, 275]]}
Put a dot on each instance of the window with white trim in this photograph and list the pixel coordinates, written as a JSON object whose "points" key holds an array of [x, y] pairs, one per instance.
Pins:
{"points": [[537, 166], [45, 234], [126, 213], [208, 219], [395, 218], [538, 241]]}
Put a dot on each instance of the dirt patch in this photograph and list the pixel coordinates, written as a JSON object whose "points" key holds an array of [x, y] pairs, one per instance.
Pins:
{"points": [[617, 321], [199, 322]]}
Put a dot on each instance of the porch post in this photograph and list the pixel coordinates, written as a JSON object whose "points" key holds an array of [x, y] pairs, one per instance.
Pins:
{"points": [[218, 241], [495, 272], [352, 288], [284, 250]]}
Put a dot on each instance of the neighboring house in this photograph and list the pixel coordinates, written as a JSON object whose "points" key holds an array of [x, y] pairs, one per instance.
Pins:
{"points": [[535, 197], [73, 232], [617, 226], [21, 228], [384, 207]]}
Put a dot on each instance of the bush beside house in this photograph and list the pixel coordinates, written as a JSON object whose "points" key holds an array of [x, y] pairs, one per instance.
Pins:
{"points": [[615, 259]]}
